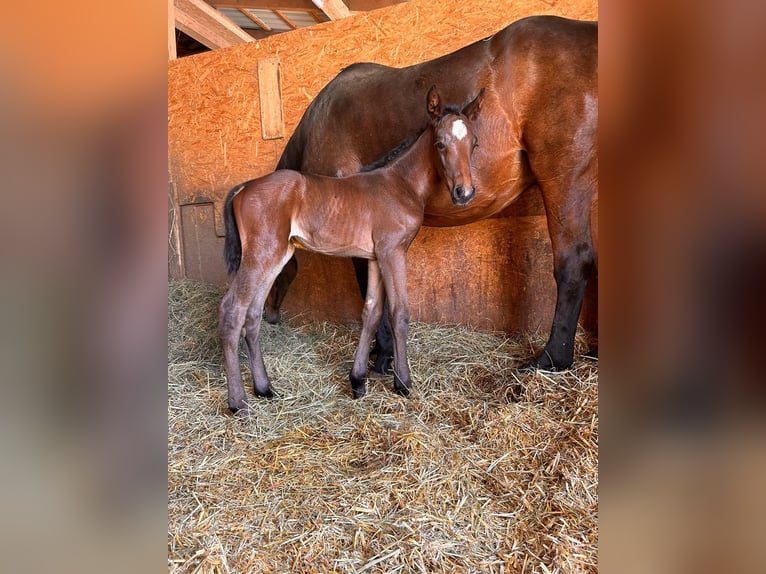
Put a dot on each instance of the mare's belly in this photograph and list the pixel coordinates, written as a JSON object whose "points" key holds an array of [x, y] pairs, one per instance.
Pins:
{"points": [[498, 177]]}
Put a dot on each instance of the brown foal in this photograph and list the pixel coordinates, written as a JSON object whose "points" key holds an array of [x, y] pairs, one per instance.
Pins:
{"points": [[373, 215]]}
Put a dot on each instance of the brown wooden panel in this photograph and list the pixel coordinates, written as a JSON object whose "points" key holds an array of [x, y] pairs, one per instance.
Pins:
{"points": [[203, 250]]}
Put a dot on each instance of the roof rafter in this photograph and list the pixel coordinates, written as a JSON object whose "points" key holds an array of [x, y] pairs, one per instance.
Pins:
{"points": [[335, 9], [207, 25]]}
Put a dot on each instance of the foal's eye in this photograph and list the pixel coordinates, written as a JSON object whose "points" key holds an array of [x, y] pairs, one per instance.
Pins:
{"points": [[440, 146]]}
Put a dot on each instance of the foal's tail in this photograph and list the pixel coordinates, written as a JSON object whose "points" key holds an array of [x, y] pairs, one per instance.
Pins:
{"points": [[232, 245]]}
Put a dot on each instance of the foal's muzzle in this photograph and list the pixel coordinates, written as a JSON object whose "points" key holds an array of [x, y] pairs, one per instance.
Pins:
{"points": [[461, 195]]}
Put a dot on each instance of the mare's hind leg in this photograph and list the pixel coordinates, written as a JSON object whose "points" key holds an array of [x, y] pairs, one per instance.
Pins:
{"points": [[384, 341], [373, 309], [279, 290]]}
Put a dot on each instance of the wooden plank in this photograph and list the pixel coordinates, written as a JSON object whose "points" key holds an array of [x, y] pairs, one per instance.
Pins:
{"points": [[270, 94], [207, 25], [335, 9], [285, 19], [257, 21], [171, 30]]}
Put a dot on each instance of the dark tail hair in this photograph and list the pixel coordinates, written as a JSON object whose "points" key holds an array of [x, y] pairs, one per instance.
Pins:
{"points": [[232, 245]]}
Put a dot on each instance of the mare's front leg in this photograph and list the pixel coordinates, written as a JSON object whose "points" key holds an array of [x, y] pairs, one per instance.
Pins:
{"points": [[371, 314], [393, 267], [568, 212], [384, 341]]}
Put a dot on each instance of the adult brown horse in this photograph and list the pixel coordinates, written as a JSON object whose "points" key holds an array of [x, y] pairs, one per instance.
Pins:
{"points": [[373, 215], [538, 128]]}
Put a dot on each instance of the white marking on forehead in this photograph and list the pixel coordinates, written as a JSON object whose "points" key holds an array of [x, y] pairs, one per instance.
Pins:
{"points": [[458, 129]]}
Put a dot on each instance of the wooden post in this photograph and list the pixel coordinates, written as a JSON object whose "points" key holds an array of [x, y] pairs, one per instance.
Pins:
{"points": [[172, 55]]}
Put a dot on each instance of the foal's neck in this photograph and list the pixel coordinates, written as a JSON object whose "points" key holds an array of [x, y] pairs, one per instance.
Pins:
{"points": [[416, 166]]}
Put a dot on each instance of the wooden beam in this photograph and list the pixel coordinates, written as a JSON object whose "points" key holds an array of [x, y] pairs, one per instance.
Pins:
{"points": [[172, 54], [207, 25], [353, 5], [335, 9], [315, 14]]}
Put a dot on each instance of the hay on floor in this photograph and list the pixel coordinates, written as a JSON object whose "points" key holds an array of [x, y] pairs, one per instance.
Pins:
{"points": [[460, 477]]}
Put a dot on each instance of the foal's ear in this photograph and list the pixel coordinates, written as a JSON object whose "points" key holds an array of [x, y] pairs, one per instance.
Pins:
{"points": [[471, 110], [433, 104]]}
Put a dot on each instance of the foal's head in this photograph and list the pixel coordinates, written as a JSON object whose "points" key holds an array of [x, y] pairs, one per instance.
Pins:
{"points": [[455, 143]]}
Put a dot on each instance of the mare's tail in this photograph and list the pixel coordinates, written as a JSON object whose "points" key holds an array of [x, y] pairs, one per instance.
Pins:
{"points": [[232, 245]]}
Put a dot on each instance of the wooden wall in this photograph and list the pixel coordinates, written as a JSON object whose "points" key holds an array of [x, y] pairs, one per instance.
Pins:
{"points": [[495, 274]]}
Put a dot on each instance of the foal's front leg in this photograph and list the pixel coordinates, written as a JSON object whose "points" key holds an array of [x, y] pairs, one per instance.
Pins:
{"points": [[371, 314], [261, 384], [393, 268]]}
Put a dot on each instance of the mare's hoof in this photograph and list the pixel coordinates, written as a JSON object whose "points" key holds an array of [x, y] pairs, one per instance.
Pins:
{"points": [[271, 315], [382, 363], [544, 363]]}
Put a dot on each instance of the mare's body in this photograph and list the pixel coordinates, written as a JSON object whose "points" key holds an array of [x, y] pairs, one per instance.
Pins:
{"points": [[537, 128]]}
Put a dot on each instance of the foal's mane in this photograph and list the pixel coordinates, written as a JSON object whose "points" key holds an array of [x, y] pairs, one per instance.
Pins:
{"points": [[406, 144]]}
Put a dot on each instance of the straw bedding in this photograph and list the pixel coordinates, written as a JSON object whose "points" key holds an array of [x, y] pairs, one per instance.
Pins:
{"points": [[482, 469]]}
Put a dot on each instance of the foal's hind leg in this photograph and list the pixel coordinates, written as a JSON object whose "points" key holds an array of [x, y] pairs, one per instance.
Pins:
{"points": [[373, 309], [255, 313], [384, 341], [233, 310]]}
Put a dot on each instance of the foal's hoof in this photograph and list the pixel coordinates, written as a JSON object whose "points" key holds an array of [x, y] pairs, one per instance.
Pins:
{"points": [[267, 394], [401, 388], [358, 386], [237, 405]]}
